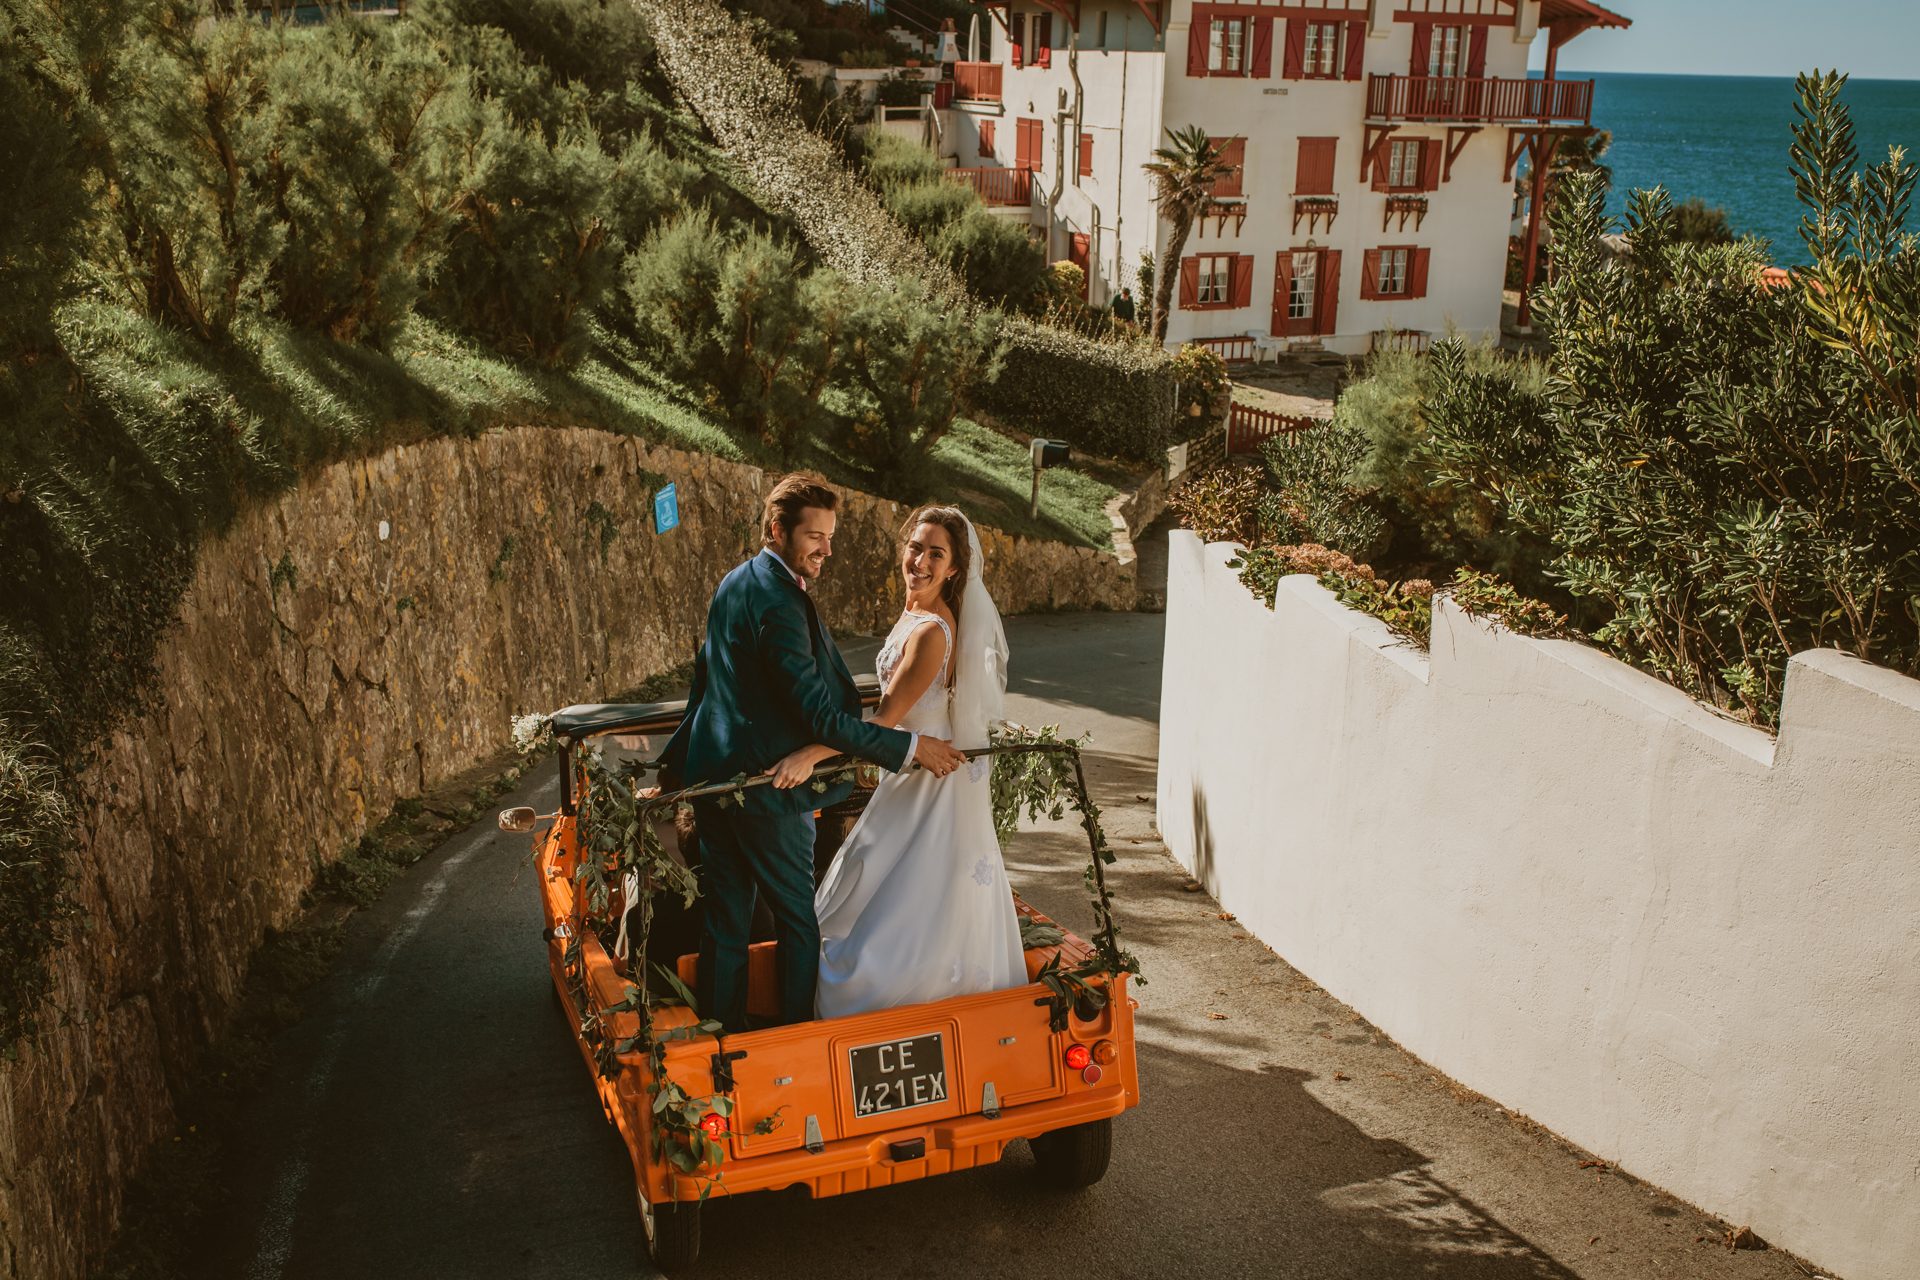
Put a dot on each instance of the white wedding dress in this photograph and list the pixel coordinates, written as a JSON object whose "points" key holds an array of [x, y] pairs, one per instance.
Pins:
{"points": [[916, 905]]}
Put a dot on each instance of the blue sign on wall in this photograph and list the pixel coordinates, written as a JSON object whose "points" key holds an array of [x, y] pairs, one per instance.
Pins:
{"points": [[666, 510]]}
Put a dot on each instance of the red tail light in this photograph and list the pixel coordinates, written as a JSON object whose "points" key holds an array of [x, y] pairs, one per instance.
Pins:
{"points": [[714, 1123], [1078, 1057]]}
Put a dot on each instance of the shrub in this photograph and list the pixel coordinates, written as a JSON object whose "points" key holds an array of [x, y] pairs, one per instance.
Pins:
{"points": [[1313, 499], [1730, 466], [1206, 392], [1221, 504], [1113, 399], [996, 259], [1454, 524]]}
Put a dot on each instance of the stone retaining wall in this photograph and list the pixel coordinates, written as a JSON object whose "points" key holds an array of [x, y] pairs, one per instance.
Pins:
{"points": [[359, 640]]}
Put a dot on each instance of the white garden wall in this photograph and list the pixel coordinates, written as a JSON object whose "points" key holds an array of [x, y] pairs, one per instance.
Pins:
{"points": [[1675, 941]]}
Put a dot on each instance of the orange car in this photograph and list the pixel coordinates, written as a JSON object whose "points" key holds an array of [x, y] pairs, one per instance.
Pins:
{"points": [[835, 1105]]}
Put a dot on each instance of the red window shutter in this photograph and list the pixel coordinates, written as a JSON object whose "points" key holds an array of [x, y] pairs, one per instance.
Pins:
{"points": [[1043, 40], [1282, 290], [1232, 152], [1326, 308], [1086, 155], [1422, 49], [1370, 274], [1417, 273], [1313, 172], [1381, 160], [1078, 255], [1189, 283], [1477, 54], [1356, 50], [1017, 39], [1197, 41], [1293, 63], [1240, 282], [1261, 66], [1430, 162]]}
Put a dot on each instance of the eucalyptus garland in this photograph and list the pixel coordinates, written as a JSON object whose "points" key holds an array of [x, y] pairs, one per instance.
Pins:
{"points": [[1033, 769]]}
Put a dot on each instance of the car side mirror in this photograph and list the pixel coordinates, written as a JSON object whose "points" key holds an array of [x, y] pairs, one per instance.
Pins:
{"points": [[518, 820]]}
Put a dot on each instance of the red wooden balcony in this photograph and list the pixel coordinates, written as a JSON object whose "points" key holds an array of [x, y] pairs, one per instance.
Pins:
{"points": [[977, 81], [998, 185], [1486, 101]]}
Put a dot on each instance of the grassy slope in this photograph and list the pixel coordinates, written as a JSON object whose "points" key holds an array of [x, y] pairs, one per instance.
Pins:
{"points": [[298, 401]]}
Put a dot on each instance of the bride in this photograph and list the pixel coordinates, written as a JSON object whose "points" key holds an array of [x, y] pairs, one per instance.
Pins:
{"points": [[916, 905]]}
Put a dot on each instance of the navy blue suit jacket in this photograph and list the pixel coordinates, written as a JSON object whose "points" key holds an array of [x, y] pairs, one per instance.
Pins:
{"points": [[768, 681]]}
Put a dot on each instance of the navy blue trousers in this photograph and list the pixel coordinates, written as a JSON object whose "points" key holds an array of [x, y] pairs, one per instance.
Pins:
{"points": [[743, 854]]}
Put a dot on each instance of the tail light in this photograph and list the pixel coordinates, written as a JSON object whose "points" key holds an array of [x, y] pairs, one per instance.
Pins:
{"points": [[1105, 1051], [1078, 1057], [1092, 1074], [714, 1123]]}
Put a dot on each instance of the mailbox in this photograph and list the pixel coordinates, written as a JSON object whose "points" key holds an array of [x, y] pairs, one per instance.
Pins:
{"points": [[1046, 453]]}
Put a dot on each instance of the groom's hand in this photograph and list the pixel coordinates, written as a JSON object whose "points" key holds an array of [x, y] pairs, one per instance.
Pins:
{"points": [[937, 757]]}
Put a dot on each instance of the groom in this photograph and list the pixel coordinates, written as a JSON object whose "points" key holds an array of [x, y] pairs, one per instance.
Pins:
{"points": [[767, 682]]}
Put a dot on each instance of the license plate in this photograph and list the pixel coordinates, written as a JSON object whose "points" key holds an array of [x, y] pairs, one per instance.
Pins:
{"points": [[898, 1075]]}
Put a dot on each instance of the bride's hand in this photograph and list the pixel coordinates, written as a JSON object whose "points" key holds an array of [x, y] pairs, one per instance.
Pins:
{"points": [[795, 768]]}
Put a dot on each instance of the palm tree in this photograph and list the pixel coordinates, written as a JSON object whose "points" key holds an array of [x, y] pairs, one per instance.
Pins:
{"points": [[1183, 178]]}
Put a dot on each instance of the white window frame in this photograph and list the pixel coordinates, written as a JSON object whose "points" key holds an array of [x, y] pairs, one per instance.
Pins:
{"points": [[1300, 300], [1215, 288], [1227, 47], [1323, 48], [1394, 265]]}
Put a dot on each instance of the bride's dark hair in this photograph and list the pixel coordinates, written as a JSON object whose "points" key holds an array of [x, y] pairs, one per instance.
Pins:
{"points": [[950, 519]]}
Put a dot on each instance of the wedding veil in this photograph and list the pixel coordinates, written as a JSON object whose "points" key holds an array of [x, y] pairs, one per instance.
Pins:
{"points": [[980, 673]]}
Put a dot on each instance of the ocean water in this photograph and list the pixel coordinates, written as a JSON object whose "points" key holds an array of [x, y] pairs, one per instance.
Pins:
{"points": [[1725, 139]]}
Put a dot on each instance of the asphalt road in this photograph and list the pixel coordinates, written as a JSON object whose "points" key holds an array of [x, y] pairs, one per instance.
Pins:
{"points": [[431, 1117]]}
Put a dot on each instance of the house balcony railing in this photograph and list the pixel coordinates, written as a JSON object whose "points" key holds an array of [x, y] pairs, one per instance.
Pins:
{"points": [[977, 81], [997, 184], [1488, 101]]}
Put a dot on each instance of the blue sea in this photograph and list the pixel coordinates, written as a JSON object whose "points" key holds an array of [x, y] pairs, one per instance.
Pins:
{"points": [[1725, 139]]}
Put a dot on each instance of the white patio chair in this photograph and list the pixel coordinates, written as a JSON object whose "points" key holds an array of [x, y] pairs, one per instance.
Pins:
{"points": [[1265, 344]]}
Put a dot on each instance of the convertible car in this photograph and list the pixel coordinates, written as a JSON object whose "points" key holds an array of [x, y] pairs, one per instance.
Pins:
{"points": [[836, 1105]]}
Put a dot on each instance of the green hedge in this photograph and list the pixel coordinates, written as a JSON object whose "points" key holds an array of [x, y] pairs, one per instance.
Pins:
{"points": [[1108, 399]]}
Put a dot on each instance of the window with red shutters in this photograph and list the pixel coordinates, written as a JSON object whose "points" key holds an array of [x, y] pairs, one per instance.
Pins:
{"points": [[1408, 164], [1320, 51], [1293, 62], [1313, 173], [986, 138], [1211, 281], [1017, 39], [1086, 155], [1043, 40], [1395, 271], [1233, 151], [1306, 292], [1227, 46]]}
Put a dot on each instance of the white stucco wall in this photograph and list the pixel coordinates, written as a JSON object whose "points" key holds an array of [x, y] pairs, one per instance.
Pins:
{"points": [[1675, 941]]}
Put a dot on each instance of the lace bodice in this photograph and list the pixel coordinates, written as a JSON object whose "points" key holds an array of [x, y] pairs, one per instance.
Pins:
{"points": [[932, 714]]}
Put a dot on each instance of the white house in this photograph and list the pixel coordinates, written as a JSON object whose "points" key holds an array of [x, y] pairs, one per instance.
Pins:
{"points": [[1377, 142]]}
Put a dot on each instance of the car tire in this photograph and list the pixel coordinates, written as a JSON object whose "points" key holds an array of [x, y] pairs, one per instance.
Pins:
{"points": [[1074, 1157], [676, 1235]]}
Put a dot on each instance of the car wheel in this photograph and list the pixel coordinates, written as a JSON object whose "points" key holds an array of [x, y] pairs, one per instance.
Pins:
{"points": [[1076, 1156], [676, 1235]]}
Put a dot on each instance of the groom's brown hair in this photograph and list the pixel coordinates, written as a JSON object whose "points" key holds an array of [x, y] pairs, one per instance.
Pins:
{"points": [[791, 495]]}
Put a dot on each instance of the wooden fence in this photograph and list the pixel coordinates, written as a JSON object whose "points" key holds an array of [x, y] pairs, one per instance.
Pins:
{"points": [[1232, 350], [1248, 427], [997, 184]]}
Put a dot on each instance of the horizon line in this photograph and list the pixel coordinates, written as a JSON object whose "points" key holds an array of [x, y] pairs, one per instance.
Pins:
{"points": [[1720, 75]]}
